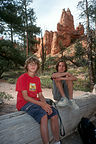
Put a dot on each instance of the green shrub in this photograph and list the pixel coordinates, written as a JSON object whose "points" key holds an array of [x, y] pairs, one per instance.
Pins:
{"points": [[46, 82], [11, 81], [4, 95], [10, 57], [50, 62], [12, 75], [82, 85]]}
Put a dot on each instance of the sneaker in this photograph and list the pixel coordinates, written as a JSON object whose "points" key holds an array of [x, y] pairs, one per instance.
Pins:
{"points": [[59, 142], [73, 104], [63, 102]]}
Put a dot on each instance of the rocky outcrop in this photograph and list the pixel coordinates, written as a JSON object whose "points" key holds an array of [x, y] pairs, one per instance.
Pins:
{"points": [[80, 29], [47, 41], [66, 24], [54, 46], [65, 34]]}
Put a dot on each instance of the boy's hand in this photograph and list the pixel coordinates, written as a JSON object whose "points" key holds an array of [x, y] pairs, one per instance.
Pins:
{"points": [[46, 107]]}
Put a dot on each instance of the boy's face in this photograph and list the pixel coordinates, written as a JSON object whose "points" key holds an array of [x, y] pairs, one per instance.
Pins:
{"points": [[61, 67], [32, 67]]}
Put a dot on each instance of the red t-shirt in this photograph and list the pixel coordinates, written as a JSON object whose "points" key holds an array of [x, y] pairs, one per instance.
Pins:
{"points": [[31, 84]]}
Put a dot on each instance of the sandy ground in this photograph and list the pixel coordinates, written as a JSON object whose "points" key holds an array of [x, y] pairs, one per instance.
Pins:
{"points": [[10, 106]]}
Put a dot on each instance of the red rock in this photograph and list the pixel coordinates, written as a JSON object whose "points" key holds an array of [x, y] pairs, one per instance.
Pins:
{"points": [[64, 34]]}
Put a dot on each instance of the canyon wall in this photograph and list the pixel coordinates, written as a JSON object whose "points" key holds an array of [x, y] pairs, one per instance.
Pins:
{"points": [[64, 35]]}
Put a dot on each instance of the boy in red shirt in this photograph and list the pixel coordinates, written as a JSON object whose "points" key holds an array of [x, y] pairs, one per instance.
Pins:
{"points": [[31, 100]]}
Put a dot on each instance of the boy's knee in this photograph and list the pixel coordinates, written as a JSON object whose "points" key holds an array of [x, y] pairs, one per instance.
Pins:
{"points": [[57, 80], [44, 118], [55, 117]]}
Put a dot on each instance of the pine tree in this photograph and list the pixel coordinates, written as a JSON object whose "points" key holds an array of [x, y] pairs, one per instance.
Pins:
{"points": [[85, 5]]}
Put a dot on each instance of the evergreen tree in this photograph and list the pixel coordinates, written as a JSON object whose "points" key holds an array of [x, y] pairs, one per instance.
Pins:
{"points": [[80, 56], [30, 29], [18, 18], [10, 57], [9, 18], [92, 12], [86, 5], [62, 48]]}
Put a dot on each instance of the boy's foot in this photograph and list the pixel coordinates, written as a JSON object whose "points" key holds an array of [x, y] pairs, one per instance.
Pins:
{"points": [[73, 104], [59, 142], [63, 102]]}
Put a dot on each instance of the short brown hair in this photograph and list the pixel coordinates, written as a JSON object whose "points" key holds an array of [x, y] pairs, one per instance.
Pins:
{"points": [[64, 64], [31, 60]]}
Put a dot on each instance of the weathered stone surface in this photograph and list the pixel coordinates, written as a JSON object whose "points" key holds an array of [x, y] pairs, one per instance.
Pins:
{"points": [[38, 47], [64, 34], [66, 24], [54, 46], [47, 41], [80, 29]]}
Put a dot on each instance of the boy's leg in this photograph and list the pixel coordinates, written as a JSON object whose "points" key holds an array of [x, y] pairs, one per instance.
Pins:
{"points": [[44, 129], [60, 87], [66, 87], [56, 94], [71, 101], [70, 88], [41, 117], [55, 127], [59, 92]]}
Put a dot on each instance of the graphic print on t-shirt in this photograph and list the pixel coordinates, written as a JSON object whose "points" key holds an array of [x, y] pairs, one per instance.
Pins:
{"points": [[32, 87]]}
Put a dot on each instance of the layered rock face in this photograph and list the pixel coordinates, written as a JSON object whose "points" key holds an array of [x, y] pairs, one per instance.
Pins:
{"points": [[65, 34]]}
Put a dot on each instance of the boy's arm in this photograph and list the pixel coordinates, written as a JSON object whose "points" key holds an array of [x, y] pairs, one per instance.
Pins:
{"points": [[63, 76], [41, 97], [41, 103], [67, 78], [58, 74]]}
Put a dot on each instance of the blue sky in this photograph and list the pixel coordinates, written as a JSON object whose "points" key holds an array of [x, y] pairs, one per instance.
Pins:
{"points": [[48, 12]]}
